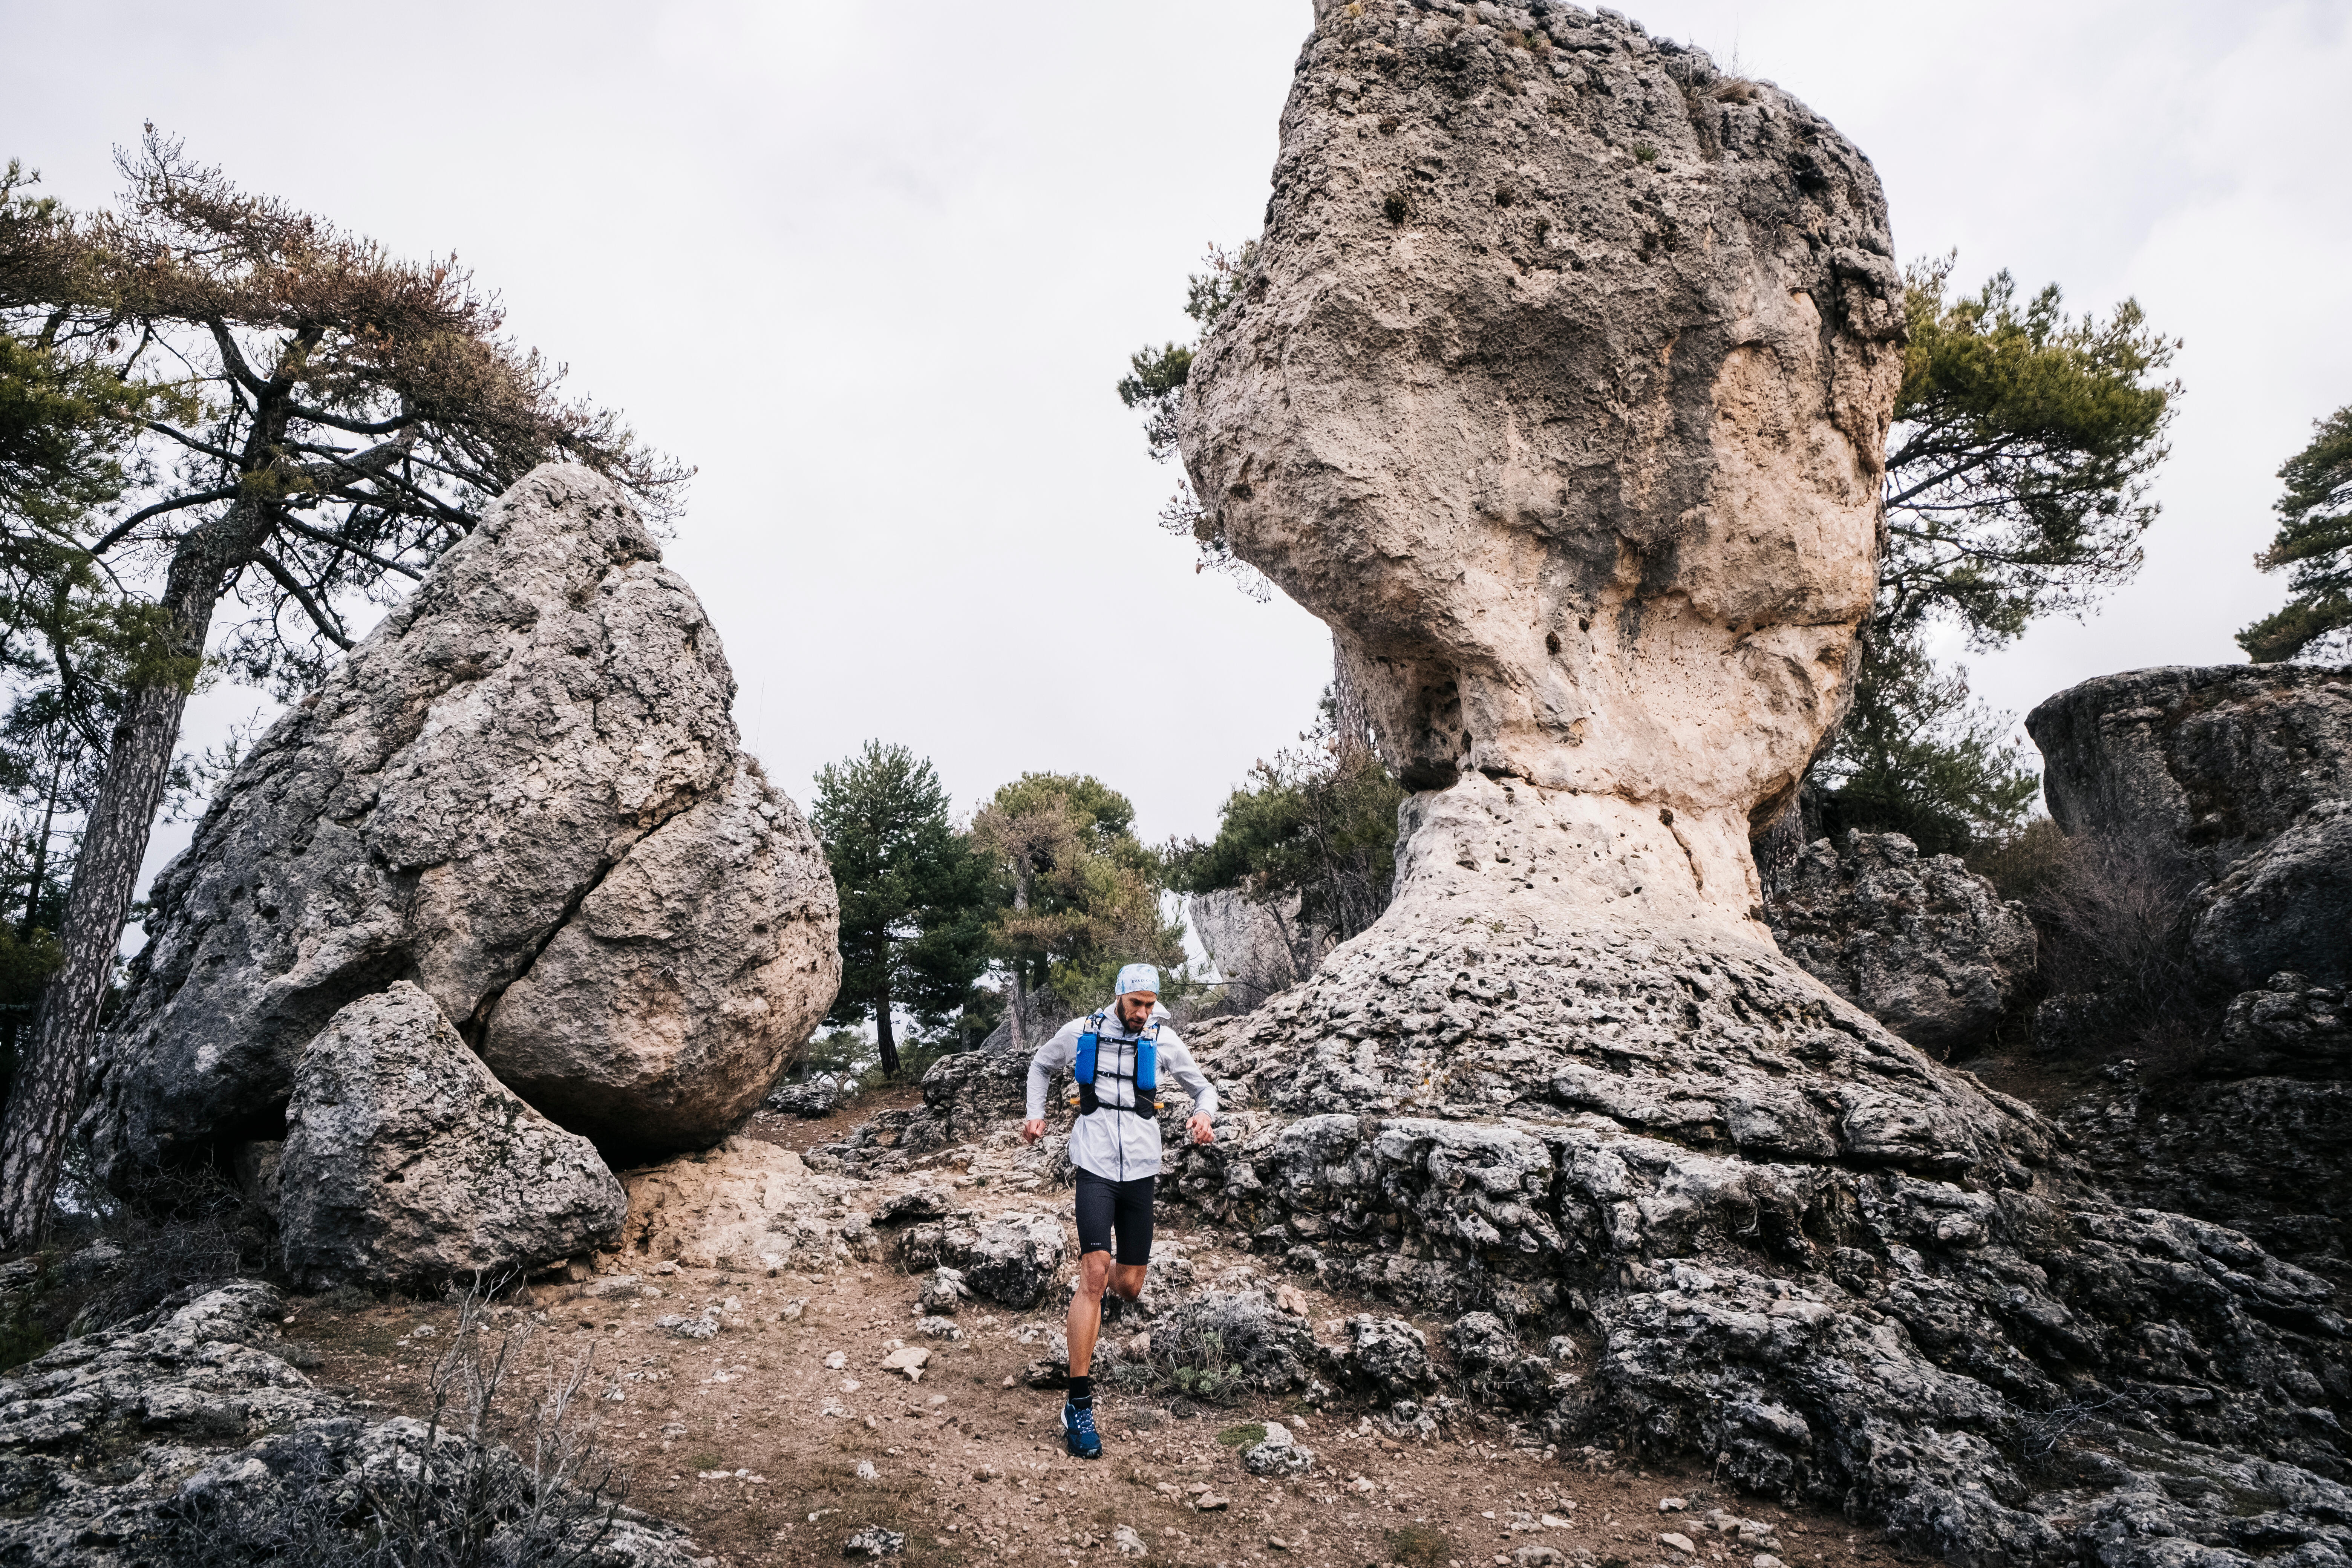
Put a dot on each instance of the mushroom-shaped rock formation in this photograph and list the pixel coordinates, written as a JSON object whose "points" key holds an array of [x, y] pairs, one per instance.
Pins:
{"points": [[1558, 384], [524, 793]]}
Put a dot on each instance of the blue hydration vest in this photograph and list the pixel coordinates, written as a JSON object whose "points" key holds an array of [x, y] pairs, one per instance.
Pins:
{"points": [[1147, 1069]]}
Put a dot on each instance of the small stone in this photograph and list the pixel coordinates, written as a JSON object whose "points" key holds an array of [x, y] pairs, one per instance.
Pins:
{"points": [[875, 1542], [835, 1360], [938, 1328], [1211, 1502], [1671, 1505], [1539, 1557], [685, 1328], [1130, 1544], [865, 1471], [908, 1359], [1766, 1560], [1681, 1543]]}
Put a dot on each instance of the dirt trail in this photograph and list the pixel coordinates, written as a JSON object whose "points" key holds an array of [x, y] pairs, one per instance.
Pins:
{"points": [[752, 1440]]}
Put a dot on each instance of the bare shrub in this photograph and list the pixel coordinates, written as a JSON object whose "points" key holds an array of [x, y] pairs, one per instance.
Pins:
{"points": [[443, 1491], [2114, 917]]}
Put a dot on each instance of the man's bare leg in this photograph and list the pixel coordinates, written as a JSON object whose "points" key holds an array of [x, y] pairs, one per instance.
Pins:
{"points": [[1097, 1273], [1085, 1311]]}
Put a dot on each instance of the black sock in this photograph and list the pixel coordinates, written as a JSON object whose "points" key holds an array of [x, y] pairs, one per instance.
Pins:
{"points": [[1082, 1393]]}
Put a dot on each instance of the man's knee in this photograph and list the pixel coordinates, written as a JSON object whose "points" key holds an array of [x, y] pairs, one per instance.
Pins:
{"points": [[1127, 1281], [1094, 1269]]}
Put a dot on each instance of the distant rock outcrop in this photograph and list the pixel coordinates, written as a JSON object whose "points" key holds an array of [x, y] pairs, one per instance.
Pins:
{"points": [[408, 1165], [1917, 941], [1259, 946], [524, 794], [1557, 384], [2239, 773]]}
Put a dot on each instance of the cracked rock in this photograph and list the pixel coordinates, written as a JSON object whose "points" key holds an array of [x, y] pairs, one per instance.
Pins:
{"points": [[522, 792], [406, 1163]]}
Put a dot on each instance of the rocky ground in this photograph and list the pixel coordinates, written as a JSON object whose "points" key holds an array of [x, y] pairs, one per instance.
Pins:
{"points": [[760, 1439]]}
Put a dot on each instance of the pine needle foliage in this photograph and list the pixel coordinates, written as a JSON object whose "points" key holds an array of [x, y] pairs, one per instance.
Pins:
{"points": [[2314, 543]]}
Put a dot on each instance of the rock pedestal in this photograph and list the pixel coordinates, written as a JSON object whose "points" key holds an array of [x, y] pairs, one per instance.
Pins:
{"points": [[1559, 385], [522, 792]]}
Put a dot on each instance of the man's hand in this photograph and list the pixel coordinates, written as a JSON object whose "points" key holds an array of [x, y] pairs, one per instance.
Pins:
{"points": [[1033, 1131], [1199, 1127]]}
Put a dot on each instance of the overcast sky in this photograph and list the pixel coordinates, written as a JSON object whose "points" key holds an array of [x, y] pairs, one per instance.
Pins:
{"points": [[874, 268]]}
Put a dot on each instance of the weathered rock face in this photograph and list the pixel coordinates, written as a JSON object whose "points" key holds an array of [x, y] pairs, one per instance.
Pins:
{"points": [[405, 1162], [192, 1440], [523, 792], [2242, 774], [742, 1205], [1011, 1259], [1560, 391], [1558, 386], [1917, 941]]}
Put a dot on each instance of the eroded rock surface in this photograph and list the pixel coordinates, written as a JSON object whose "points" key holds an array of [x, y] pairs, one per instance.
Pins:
{"points": [[2242, 774], [1557, 384], [193, 1440], [1011, 1259], [1560, 389], [406, 1163], [744, 1204], [1917, 941], [523, 792]]}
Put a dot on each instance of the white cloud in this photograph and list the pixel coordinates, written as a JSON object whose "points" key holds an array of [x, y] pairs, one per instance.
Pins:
{"points": [[875, 267]]}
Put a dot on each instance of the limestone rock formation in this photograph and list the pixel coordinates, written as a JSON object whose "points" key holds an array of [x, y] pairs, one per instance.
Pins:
{"points": [[523, 791], [190, 1439], [1917, 941], [1560, 387], [2242, 774], [1011, 1259], [406, 1163], [1557, 384]]}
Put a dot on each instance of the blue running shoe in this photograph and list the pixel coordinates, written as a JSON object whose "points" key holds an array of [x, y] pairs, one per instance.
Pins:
{"points": [[1079, 1433]]}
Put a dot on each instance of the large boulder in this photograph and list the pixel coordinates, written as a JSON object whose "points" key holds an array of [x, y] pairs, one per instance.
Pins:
{"points": [[190, 1438], [2239, 774], [522, 792], [1558, 384], [406, 1163], [1917, 941]]}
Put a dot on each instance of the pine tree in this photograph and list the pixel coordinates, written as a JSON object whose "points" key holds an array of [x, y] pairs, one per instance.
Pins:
{"points": [[914, 895], [2314, 538]]}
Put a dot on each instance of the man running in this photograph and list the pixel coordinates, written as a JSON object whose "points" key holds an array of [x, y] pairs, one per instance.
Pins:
{"points": [[1115, 1147]]}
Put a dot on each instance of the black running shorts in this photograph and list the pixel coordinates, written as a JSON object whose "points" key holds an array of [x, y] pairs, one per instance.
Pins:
{"points": [[1106, 1206]]}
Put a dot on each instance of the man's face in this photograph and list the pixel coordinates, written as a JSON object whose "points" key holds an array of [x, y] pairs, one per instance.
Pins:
{"points": [[1135, 1008]]}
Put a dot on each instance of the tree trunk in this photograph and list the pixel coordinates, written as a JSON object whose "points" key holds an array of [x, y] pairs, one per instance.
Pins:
{"points": [[1350, 718], [1018, 1007], [9, 1030], [883, 1037], [47, 1091]]}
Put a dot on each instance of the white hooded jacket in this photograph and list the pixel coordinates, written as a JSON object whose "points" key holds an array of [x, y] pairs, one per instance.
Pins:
{"points": [[1115, 1142]]}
